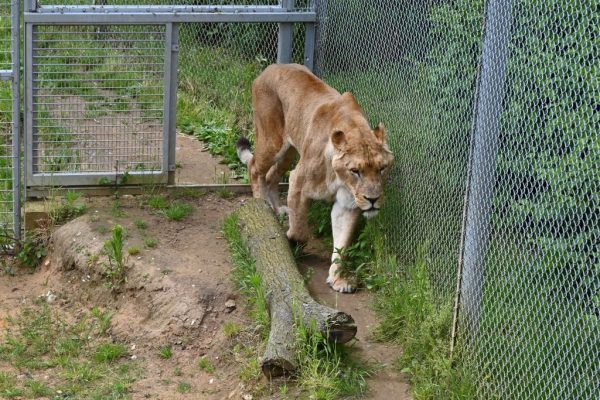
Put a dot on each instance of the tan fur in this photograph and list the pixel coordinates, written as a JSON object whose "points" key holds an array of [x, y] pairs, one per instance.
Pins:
{"points": [[295, 112]]}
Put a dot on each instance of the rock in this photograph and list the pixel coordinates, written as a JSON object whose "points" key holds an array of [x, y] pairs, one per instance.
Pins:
{"points": [[50, 297], [247, 397], [230, 305]]}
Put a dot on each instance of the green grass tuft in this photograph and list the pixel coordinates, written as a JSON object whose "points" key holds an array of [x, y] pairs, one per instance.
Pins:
{"points": [[165, 352]]}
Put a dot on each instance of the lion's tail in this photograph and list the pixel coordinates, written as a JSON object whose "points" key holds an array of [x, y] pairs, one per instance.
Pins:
{"points": [[244, 150]]}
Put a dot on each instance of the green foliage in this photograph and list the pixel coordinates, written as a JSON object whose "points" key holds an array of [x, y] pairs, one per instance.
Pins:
{"points": [[184, 387], [42, 343], [244, 274], [206, 365], [177, 211], [30, 251], [150, 243], [67, 208], [165, 352], [109, 352], [115, 270], [412, 316], [132, 251]]}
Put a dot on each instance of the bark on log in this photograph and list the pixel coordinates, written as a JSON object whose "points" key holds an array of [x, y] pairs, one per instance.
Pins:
{"points": [[285, 289]]}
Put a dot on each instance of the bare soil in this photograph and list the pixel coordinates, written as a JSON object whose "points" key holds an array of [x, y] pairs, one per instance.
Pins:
{"points": [[176, 293]]}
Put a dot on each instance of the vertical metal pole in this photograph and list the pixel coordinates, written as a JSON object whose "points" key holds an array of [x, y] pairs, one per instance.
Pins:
{"points": [[482, 162], [16, 115], [30, 5], [170, 100], [286, 36], [309, 45], [28, 106]]}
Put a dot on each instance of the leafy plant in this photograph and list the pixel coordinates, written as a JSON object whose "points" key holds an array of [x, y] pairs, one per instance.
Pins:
{"points": [[206, 365], [165, 352], [177, 211], [113, 248]]}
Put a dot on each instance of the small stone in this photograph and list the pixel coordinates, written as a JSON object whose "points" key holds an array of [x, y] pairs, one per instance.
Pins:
{"points": [[50, 298], [134, 357], [47, 263], [247, 397], [132, 347], [211, 381], [230, 305]]}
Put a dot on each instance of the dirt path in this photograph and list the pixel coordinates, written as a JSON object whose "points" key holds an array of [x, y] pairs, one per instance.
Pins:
{"points": [[196, 166], [388, 383]]}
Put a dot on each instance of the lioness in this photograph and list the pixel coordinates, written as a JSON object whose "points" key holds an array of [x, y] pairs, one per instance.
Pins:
{"points": [[341, 158]]}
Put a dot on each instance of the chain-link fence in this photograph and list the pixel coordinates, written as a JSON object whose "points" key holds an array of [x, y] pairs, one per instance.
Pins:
{"points": [[492, 112]]}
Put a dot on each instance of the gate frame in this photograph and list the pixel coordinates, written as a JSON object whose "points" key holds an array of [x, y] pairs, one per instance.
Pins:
{"points": [[171, 17]]}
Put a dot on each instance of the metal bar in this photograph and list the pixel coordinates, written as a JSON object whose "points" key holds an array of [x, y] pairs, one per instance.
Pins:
{"points": [[93, 178], [16, 116], [482, 161], [309, 45], [179, 9], [28, 106], [286, 36], [6, 75], [135, 18], [170, 100], [45, 191], [30, 5]]}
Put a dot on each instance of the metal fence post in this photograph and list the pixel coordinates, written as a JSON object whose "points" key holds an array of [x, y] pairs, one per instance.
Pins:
{"points": [[309, 45], [286, 36], [482, 162], [16, 116], [30, 5], [170, 99]]}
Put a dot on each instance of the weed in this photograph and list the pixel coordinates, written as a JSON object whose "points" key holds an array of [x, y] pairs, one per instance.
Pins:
{"points": [[38, 389], [103, 229], [31, 251], [177, 211], [165, 352], [116, 209], [115, 270], [184, 387], [109, 352], [104, 319], [158, 202], [224, 193], [141, 224], [150, 243], [231, 329], [68, 207], [177, 371], [206, 365], [132, 251]]}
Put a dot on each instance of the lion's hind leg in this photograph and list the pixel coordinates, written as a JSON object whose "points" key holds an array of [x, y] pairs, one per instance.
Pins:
{"points": [[284, 159]]}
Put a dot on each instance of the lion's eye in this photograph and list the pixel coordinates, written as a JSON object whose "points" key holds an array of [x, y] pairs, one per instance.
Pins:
{"points": [[355, 171]]}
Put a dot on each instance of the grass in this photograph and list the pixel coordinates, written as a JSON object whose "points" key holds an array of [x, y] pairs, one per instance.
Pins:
{"points": [[78, 356], [231, 329], [132, 251], [165, 352], [325, 369], [177, 211], [150, 243], [184, 387], [206, 365], [66, 208]]}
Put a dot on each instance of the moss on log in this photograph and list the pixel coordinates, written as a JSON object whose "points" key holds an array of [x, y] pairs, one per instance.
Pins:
{"points": [[286, 293]]}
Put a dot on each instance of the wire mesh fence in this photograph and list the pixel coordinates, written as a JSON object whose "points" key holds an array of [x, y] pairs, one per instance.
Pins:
{"points": [[529, 322], [6, 120], [97, 98]]}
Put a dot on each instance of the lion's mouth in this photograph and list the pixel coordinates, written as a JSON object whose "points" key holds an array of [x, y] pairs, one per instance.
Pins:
{"points": [[371, 212]]}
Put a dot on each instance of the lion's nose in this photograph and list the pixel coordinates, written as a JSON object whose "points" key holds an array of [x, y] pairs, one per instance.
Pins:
{"points": [[372, 200]]}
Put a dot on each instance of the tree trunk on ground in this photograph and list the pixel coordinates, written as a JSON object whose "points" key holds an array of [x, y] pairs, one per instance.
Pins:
{"points": [[286, 293]]}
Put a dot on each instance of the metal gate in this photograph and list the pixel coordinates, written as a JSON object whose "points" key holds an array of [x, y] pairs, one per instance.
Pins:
{"points": [[101, 86]]}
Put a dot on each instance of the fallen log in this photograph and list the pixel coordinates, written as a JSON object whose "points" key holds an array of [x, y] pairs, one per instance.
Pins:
{"points": [[287, 296]]}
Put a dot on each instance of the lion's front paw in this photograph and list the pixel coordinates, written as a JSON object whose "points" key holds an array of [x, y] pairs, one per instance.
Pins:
{"points": [[340, 284], [282, 210]]}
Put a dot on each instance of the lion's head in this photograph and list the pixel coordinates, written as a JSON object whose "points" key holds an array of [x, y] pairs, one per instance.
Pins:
{"points": [[362, 161]]}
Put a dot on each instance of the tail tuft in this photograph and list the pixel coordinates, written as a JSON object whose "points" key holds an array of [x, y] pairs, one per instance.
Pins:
{"points": [[244, 150]]}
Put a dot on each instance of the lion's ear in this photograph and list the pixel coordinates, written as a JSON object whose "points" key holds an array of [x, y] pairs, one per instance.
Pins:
{"points": [[379, 132], [338, 138]]}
